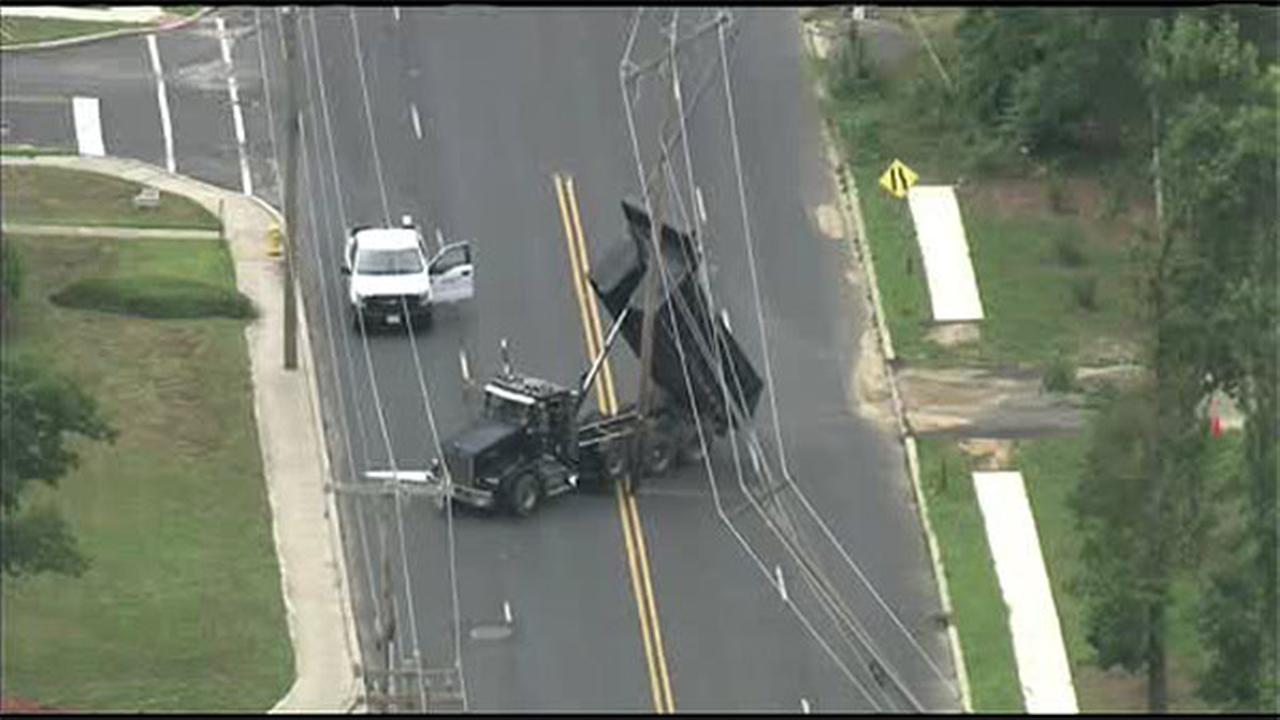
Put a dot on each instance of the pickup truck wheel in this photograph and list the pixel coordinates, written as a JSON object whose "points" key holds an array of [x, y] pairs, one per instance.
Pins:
{"points": [[523, 495]]}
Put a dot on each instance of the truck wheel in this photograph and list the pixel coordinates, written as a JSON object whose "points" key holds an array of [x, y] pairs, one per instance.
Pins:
{"points": [[659, 454], [522, 497], [613, 462]]}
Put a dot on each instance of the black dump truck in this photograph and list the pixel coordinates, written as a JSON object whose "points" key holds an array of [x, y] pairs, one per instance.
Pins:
{"points": [[534, 441]]}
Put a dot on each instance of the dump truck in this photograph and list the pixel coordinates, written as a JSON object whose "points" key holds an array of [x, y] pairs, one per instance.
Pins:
{"points": [[534, 440]]}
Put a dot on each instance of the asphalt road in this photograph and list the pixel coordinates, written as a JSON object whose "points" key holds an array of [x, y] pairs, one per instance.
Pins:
{"points": [[504, 100]]}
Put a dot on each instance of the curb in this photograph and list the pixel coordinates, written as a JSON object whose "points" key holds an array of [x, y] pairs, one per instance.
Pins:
{"points": [[851, 211], [353, 699], [108, 35]]}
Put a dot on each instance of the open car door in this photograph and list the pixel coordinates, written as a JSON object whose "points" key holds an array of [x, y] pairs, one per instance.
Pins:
{"points": [[452, 274]]}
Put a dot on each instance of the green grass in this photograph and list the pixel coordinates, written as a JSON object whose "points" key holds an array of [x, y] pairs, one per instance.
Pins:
{"points": [[21, 30], [23, 150], [181, 608], [58, 196], [187, 10], [979, 611]]}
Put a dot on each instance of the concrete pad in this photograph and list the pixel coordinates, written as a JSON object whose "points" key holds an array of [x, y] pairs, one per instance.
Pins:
{"points": [[1043, 669], [953, 288]]}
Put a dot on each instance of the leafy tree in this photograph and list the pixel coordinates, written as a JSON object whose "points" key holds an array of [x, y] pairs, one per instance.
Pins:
{"points": [[38, 411]]}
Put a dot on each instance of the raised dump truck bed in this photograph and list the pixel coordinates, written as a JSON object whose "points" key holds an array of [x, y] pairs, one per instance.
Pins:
{"points": [[616, 281]]}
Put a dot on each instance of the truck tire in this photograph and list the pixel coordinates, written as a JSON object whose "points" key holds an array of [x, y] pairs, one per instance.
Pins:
{"points": [[659, 453], [522, 495], [613, 462]]}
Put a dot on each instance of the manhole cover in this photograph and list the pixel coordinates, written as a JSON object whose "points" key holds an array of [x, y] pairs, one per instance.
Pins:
{"points": [[491, 632]]}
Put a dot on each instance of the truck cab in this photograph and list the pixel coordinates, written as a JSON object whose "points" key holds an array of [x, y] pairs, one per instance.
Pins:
{"points": [[390, 275], [523, 448]]}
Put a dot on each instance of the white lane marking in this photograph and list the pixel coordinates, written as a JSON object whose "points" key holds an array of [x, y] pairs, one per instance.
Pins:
{"points": [[724, 315], [755, 458], [466, 368], [237, 115], [417, 122], [439, 240], [266, 88], [702, 206], [88, 119], [782, 582], [506, 611], [395, 10], [804, 706], [165, 122]]}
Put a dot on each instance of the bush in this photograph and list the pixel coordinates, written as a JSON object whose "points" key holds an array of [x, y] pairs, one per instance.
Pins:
{"points": [[1059, 375], [155, 297], [1070, 250], [1085, 291]]}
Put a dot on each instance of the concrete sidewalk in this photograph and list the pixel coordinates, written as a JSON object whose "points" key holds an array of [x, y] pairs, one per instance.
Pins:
{"points": [[115, 13], [295, 463], [110, 231]]}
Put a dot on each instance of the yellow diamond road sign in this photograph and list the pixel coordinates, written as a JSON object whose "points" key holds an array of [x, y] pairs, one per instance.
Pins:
{"points": [[898, 179]]}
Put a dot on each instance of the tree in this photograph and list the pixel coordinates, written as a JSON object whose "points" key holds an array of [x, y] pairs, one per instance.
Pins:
{"points": [[1215, 116], [39, 410]]}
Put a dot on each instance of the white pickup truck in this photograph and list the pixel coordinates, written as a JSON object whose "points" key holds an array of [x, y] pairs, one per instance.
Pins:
{"points": [[389, 275]]}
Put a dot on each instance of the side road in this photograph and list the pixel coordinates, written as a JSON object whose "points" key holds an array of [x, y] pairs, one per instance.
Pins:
{"points": [[304, 520]]}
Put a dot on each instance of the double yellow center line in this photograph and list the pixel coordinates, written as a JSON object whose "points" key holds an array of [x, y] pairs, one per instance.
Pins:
{"points": [[633, 534]]}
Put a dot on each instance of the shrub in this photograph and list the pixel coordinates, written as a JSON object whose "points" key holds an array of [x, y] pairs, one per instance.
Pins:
{"points": [[1085, 291], [155, 297], [1059, 375], [1070, 250]]}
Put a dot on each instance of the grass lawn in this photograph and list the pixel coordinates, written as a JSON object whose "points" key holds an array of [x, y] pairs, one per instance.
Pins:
{"points": [[58, 196], [32, 150], [181, 609], [980, 615], [20, 30]]}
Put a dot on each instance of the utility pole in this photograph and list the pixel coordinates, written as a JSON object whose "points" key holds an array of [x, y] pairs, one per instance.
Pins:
{"points": [[289, 21]]}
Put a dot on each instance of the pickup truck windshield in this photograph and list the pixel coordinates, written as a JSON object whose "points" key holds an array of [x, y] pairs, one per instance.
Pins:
{"points": [[388, 262]]}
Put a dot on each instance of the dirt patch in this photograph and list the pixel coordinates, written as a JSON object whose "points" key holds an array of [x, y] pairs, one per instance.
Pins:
{"points": [[989, 454], [829, 221], [874, 402], [1101, 350], [952, 334], [985, 403], [1083, 197]]}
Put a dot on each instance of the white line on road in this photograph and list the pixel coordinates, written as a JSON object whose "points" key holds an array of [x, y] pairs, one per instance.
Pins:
{"points": [[395, 10], [702, 207], [165, 122], [466, 368], [439, 240], [417, 122], [88, 119], [724, 315], [506, 611], [237, 116], [782, 583], [804, 706]]}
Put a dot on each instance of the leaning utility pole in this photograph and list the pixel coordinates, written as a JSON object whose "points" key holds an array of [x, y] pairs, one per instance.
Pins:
{"points": [[289, 21]]}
